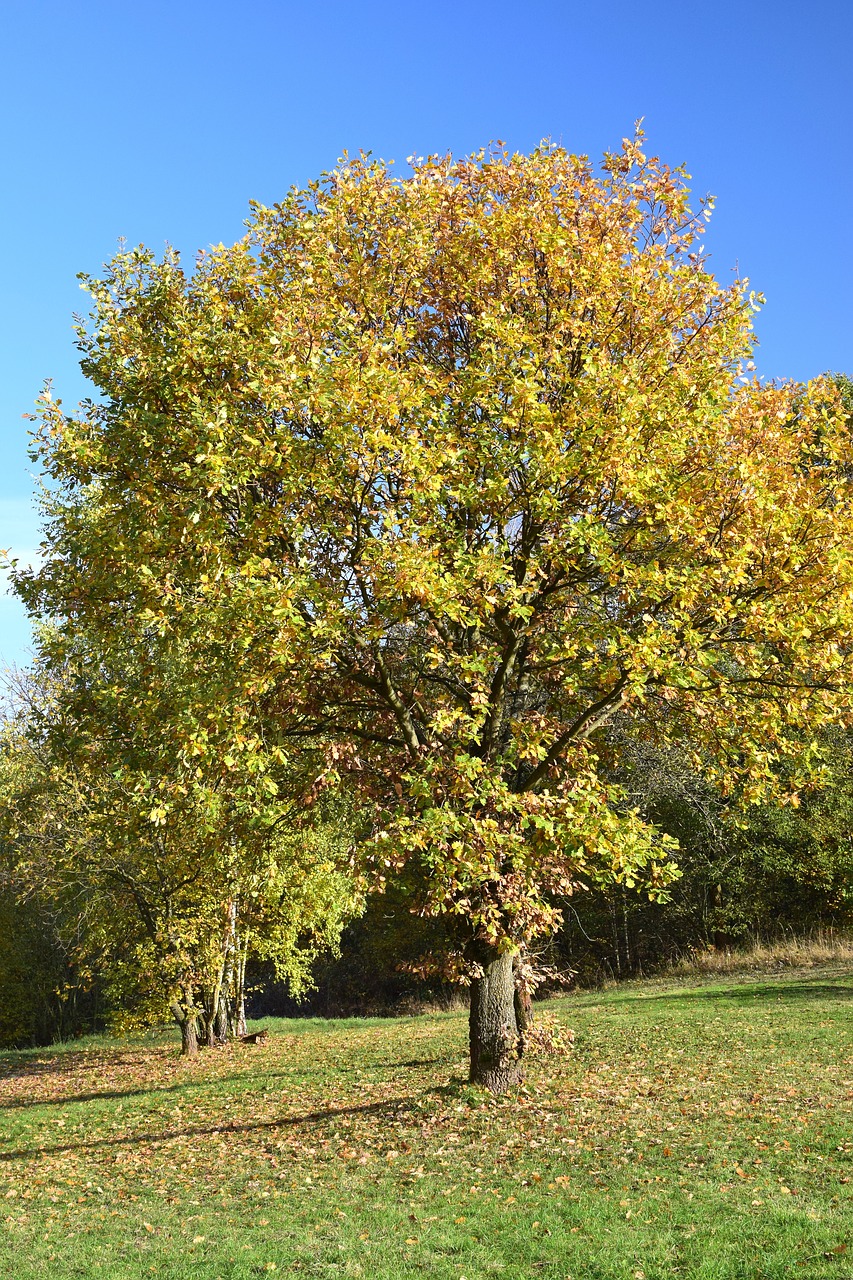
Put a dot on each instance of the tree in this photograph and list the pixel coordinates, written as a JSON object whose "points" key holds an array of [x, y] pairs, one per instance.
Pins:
{"points": [[45, 994], [163, 884], [437, 475], [781, 867]]}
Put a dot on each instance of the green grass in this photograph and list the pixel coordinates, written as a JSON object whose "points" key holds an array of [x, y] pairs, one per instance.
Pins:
{"points": [[700, 1132]]}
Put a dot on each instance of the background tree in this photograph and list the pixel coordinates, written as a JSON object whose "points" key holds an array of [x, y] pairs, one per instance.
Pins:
{"points": [[164, 885], [759, 872], [440, 474], [47, 990]]}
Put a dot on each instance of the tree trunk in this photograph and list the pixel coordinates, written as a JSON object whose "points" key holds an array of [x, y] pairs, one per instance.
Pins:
{"points": [[186, 1020], [223, 1024], [212, 1019], [612, 906], [224, 1021], [523, 1005], [239, 994], [210, 1031], [494, 1034]]}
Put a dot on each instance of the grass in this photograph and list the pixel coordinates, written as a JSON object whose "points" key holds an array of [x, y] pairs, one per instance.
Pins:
{"points": [[820, 948], [696, 1131]]}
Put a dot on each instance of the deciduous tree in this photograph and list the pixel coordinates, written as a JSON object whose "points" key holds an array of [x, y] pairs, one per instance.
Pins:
{"points": [[438, 474], [164, 883]]}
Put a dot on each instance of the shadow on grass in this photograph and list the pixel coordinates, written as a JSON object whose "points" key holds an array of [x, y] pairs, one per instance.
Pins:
{"points": [[68, 1059], [40, 1069], [394, 1107], [107, 1094], [774, 991]]}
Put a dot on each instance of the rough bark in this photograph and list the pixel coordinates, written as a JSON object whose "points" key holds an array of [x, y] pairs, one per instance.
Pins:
{"points": [[186, 1020], [523, 1005], [223, 1022], [493, 1028]]}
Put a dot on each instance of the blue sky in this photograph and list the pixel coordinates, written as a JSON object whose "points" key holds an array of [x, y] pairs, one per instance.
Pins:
{"points": [[158, 123]]}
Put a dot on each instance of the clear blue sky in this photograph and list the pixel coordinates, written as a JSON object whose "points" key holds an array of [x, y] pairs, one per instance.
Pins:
{"points": [[158, 122]]}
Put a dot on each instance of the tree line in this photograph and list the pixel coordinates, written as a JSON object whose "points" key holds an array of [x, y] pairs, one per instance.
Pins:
{"points": [[406, 546]]}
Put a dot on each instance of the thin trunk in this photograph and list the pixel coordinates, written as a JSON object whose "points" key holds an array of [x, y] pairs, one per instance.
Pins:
{"points": [[239, 1004], [719, 937], [222, 1021], [207, 1025], [211, 1014], [493, 1027], [223, 1013], [616, 947], [209, 1028]]}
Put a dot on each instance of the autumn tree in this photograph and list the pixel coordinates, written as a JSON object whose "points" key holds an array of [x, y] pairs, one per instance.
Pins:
{"points": [[164, 884], [436, 475]]}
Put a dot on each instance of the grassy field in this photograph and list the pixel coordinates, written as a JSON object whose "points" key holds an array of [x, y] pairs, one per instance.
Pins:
{"points": [[699, 1131]]}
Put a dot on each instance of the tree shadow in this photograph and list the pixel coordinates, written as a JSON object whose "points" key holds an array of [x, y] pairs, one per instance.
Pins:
{"points": [[96, 1095], [180, 1086], [394, 1107], [68, 1060]]}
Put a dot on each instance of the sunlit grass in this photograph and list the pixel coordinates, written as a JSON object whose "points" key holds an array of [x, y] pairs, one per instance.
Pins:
{"points": [[700, 1132]]}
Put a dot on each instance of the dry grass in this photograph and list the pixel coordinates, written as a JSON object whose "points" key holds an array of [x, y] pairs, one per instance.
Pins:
{"points": [[822, 947]]}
